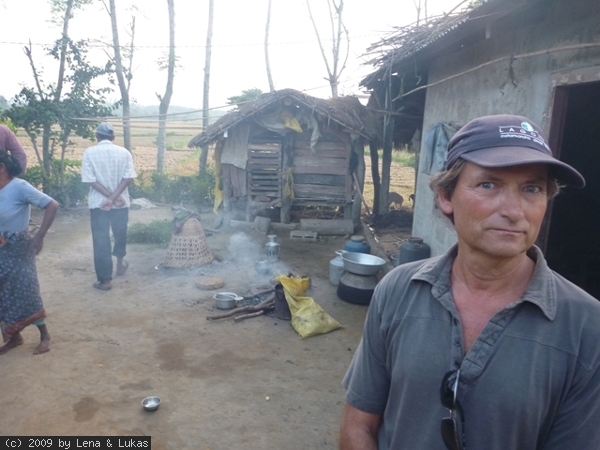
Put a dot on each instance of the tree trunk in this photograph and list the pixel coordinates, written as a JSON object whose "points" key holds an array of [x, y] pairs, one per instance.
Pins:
{"points": [[338, 29], [386, 162], [46, 152], [359, 149], [120, 77], [165, 100], [47, 129], [268, 64], [334, 87], [205, 95], [375, 176], [63, 50]]}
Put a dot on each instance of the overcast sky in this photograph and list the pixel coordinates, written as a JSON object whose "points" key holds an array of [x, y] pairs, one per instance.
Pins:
{"points": [[238, 36]]}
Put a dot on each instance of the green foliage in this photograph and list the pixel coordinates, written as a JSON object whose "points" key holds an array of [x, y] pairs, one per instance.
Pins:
{"points": [[178, 145], [403, 157], [53, 112], [247, 95], [65, 187], [174, 145], [155, 232], [194, 190], [6, 121]]}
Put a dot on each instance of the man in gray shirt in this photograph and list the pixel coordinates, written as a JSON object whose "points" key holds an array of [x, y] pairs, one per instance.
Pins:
{"points": [[483, 347]]}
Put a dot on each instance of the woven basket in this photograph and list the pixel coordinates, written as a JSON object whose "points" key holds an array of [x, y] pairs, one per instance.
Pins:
{"points": [[188, 248]]}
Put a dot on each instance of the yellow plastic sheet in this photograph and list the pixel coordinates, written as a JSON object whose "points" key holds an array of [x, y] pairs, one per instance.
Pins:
{"points": [[308, 318], [289, 121]]}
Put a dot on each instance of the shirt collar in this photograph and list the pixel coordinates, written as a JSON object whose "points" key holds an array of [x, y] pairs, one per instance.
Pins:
{"points": [[541, 290]]}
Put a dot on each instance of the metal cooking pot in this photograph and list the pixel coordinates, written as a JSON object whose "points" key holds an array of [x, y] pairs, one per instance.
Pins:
{"points": [[263, 267], [226, 300], [362, 264]]}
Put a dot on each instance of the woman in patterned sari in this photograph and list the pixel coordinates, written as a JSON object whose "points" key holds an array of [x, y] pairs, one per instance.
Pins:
{"points": [[20, 301]]}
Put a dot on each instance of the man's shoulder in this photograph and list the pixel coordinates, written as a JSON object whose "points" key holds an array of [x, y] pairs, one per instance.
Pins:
{"points": [[106, 146], [120, 150], [426, 270], [567, 291], [118, 147], [90, 149], [423, 269]]}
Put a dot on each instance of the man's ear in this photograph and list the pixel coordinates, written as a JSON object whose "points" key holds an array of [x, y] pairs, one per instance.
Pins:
{"points": [[444, 203]]}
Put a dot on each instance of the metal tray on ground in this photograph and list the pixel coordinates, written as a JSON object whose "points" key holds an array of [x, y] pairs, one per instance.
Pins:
{"points": [[362, 263]]}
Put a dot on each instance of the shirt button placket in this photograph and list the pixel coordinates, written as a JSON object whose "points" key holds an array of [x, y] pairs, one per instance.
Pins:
{"points": [[456, 341]]}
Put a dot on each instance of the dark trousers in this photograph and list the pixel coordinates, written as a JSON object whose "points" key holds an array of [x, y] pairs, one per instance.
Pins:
{"points": [[102, 222]]}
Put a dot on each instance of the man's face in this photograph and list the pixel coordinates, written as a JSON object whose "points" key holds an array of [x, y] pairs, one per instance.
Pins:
{"points": [[498, 211]]}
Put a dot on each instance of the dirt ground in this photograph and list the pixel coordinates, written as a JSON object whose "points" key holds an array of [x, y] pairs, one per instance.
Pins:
{"points": [[149, 336]]}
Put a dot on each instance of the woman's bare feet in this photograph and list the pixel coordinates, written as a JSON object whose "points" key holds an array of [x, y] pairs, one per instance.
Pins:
{"points": [[44, 340], [44, 346], [12, 342]]}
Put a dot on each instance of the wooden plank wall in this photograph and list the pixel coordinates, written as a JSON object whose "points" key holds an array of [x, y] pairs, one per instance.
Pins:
{"points": [[264, 170], [321, 177]]}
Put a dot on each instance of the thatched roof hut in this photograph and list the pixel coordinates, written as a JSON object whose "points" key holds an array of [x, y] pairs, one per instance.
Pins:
{"points": [[288, 149]]}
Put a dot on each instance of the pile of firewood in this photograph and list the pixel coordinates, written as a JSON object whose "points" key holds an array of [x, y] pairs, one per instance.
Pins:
{"points": [[247, 312]]}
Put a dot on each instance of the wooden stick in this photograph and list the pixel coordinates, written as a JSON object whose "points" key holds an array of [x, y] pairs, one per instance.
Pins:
{"points": [[360, 193], [233, 312], [248, 316], [265, 304]]}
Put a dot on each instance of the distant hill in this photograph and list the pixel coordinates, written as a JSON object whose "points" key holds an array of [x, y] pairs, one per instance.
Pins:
{"points": [[152, 110]]}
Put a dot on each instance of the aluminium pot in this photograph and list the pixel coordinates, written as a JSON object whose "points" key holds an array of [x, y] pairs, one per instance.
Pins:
{"points": [[226, 300], [362, 264]]}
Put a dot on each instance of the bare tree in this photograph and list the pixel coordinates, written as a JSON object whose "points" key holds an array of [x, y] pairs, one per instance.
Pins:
{"points": [[420, 5], [63, 48], [165, 100], [338, 31], [205, 95], [123, 74], [268, 64]]}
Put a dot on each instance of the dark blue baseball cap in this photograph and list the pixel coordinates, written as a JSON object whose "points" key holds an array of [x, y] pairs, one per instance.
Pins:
{"points": [[506, 140]]}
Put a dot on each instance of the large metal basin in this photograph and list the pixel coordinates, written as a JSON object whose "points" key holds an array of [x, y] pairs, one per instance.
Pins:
{"points": [[361, 263]]}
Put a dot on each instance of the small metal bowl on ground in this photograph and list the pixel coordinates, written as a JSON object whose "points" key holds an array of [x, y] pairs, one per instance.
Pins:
{"points": [[151, 403], [226, 300]]}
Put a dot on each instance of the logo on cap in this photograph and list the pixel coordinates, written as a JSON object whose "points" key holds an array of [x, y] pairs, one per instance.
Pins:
{"points": [[526, 126]]}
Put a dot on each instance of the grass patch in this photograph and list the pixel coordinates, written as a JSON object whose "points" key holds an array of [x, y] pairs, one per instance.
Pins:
{"points": [[155, 232], [189, 165], [401, 157]]}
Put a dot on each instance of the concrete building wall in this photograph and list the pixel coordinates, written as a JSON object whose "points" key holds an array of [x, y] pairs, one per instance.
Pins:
{"points": [[493, 89]]}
